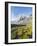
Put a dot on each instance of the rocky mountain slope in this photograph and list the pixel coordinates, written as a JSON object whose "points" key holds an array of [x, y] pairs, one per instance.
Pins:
{"points": [[23, 20]]}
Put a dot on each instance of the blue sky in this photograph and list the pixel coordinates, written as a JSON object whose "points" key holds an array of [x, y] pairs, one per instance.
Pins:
{"points": [[16, 10]]}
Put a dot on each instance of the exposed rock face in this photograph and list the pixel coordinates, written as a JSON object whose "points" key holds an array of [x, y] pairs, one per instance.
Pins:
{"points": [[23, 20]]}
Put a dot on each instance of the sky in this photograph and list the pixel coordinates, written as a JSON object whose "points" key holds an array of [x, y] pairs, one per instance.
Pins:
{"points": [[17, 11]]}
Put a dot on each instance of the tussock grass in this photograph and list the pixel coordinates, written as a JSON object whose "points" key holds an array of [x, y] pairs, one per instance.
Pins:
{"points": [[22, 32]]}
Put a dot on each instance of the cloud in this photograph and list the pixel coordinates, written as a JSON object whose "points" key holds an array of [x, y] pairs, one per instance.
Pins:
{"points": [[17, 17]]}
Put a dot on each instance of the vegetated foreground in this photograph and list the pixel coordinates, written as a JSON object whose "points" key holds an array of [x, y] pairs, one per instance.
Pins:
{"points": [[21, 31]]}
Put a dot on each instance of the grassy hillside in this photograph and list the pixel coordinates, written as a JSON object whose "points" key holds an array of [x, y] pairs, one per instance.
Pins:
{"points": [[21, 31]]}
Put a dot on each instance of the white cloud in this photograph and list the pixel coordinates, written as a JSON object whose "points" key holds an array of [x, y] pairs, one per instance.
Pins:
{"points": [[17, 17]]}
